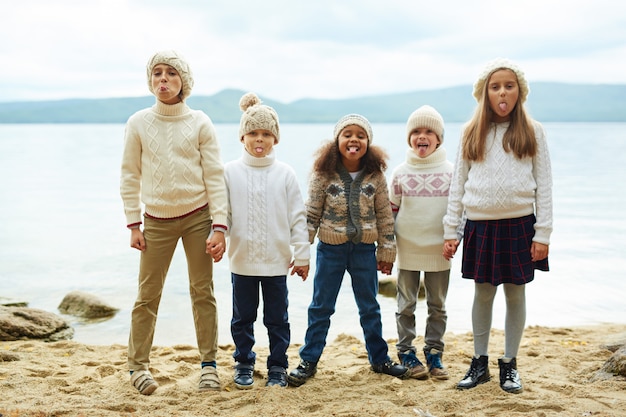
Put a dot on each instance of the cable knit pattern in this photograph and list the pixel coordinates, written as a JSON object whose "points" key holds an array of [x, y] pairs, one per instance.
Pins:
{"points": [[341, 209], [266, 218], [171, 163], [419, 189], [503, 186]]}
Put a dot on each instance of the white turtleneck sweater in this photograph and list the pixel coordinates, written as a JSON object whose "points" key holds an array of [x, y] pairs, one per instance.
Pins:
{"points": [[502, 186], [266, 218], [419, 192], [171, 163]]}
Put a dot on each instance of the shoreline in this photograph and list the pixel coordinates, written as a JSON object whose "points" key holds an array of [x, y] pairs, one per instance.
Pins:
{"points": [[557, 366]]}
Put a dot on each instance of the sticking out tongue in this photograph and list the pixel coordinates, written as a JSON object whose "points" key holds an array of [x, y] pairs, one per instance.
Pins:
{"points": [[258, 150], [352, 149], [502, 106]]}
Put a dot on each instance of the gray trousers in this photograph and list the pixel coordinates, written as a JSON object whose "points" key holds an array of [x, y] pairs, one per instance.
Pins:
{"points": [[436, 285]]}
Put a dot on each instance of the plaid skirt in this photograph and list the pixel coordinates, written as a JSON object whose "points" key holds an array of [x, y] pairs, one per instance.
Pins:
{"points": [[498, 251]]}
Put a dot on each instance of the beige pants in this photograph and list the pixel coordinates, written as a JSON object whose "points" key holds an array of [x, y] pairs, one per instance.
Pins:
{"points": [[161, 239]]}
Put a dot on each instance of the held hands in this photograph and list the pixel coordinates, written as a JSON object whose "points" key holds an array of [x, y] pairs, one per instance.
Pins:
{"points": [[302, 271], [538, 251], [449, 248], [137, 240], [216, 245], [385, 267]]}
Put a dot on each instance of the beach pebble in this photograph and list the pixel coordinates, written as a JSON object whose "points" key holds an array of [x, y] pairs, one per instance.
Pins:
{"points": [[20, 323], [82, 304]]}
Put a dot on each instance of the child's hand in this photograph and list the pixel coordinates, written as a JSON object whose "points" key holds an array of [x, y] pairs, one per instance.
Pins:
{"points": [[137, 240], [449, 248], [385, 267], [538, 251], [216, 245], [302, 271]]}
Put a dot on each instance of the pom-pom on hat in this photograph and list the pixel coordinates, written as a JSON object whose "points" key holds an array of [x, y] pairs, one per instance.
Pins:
{"points": [[425, 116], [354, 119], [257, 116], [175, 60], [498, 64]]}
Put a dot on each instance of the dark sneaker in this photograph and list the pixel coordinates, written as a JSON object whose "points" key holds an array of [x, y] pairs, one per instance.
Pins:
{"points": [[510, 380], [478, 373], [389, 367], [276, 376], [243, 375], [435, 367], [416, 368], [302, 373]]}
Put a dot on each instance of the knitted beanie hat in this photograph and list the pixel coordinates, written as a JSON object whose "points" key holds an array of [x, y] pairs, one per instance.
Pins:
{"points": [[425, 116], [175, 60], [354, 119], [257, 116], [498, 64]]}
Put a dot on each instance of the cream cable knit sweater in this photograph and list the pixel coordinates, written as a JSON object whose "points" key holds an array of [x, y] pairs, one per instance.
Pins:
{"points": [[419, 189], [502, 186], [171, 163], [267, 217]]}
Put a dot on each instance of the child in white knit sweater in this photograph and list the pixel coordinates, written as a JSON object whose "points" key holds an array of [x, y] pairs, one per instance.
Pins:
{"points": [[503, 182], [419, 197], [171, 163], [266, 220]]}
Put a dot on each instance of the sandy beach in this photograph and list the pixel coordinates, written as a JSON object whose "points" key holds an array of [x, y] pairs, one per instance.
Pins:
{"points": [[557, 366]]}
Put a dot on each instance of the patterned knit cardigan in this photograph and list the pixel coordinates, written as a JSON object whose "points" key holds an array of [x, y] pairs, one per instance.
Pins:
{"points": [[358, 210]]}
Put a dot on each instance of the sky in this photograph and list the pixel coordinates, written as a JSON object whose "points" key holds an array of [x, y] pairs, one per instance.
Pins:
{"points": [[290, 49]]}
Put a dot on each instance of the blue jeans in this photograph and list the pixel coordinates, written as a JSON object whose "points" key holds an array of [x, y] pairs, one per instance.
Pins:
{"points": [[332, 263], [275, 317]]}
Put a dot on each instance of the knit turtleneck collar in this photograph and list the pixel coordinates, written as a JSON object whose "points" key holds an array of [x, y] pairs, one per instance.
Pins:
{"points": [[258, 162], [434, 158], [177, 109]]}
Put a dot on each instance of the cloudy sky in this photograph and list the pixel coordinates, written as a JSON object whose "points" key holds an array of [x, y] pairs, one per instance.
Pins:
{"points": [[291, 49]]}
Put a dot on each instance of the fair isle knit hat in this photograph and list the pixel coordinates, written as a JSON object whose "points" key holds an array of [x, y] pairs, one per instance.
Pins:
{"points": [[257, 116], [425, 116], [495, 65], [175, 60], [354, 119]]}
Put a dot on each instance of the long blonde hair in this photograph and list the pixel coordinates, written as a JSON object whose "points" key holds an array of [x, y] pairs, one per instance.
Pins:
{"points": [[519, 137]]}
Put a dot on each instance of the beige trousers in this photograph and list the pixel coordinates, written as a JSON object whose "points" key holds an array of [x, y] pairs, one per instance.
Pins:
{"points": [[161, 239]]}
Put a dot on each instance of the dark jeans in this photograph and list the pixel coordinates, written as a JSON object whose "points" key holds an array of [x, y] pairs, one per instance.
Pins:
{"points": [[332, 263], [275, 317]]}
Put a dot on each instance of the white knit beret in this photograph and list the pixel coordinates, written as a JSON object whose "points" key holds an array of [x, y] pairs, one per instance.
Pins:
{"points": [[498, 64], [257, 116], [425, 116], [354, 119], [175, 60]]}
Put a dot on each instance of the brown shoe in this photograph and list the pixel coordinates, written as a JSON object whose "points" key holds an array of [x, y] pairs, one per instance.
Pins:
{"points": [[416, 368], [435, 367]]}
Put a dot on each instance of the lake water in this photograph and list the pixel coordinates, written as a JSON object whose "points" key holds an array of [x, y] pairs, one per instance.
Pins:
{"points": [[63, 229]]}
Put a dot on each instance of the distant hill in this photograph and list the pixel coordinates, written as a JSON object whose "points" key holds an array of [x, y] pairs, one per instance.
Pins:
{"points": [[548, 102]]}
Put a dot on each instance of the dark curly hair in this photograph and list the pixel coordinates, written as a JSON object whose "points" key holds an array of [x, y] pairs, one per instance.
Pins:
{"points": [[327, 158]]}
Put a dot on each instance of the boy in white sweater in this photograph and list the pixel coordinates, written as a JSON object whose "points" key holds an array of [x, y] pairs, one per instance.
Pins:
{"points": [[419, 197], [266, 218]]}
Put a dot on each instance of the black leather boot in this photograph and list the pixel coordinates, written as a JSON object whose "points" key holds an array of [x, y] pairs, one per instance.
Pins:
{"points": [[302, 373], [478, 373], [510, 380]]}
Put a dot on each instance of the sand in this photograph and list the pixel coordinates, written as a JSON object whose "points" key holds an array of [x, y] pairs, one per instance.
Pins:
{"points": [[557, 366]]}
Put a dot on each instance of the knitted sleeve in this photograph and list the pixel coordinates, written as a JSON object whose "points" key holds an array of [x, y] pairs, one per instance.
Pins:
{"points": [[395, 192], [315, 204], [454, 214], [542, 171], [213, 171], [297, 221], [130, 182], [386, 245]]}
